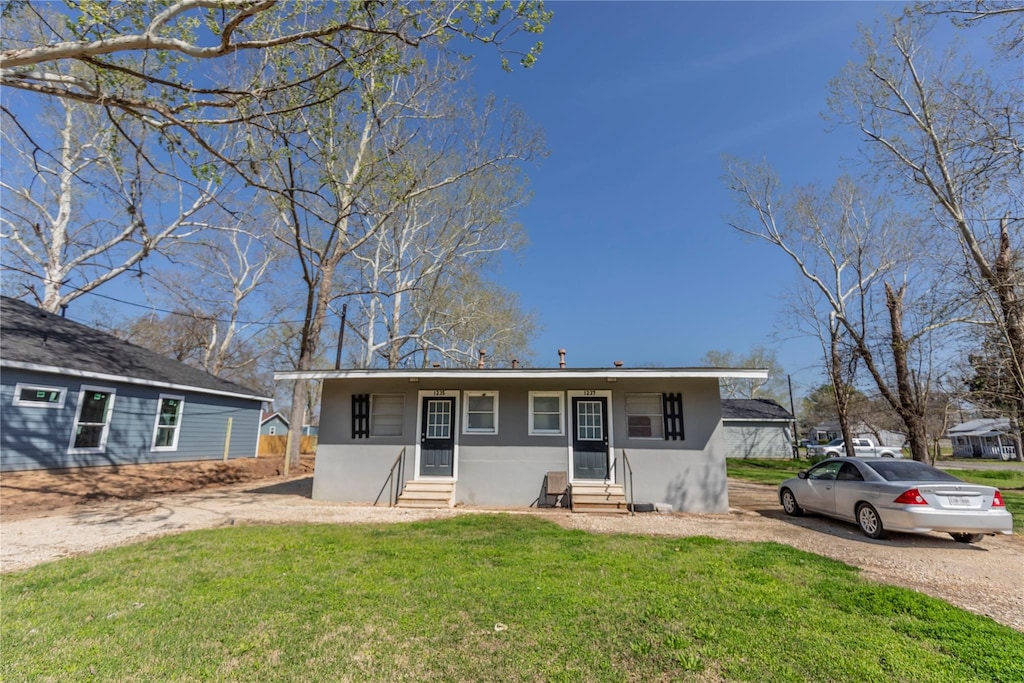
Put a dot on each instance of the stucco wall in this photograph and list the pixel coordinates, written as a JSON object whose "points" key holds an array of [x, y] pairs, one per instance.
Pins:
{"points": [[508, 468]]}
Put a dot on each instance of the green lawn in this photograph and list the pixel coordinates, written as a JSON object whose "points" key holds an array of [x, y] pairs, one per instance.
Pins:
{"points": [[1009, 482], [479, 598]]}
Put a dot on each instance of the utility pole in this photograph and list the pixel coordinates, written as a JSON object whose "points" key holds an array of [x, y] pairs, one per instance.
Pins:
{"points": [[796, 425]]}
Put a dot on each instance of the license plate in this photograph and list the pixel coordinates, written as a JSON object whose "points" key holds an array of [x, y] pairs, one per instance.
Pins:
{"points": [[959, 500]]}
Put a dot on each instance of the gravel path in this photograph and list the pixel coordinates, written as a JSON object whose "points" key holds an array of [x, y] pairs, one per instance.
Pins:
{"points": [[987, 578]]}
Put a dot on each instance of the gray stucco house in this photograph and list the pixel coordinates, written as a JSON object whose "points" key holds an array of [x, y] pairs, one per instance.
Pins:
{"points": [[510, 437], [72, 396], [756, 428]]}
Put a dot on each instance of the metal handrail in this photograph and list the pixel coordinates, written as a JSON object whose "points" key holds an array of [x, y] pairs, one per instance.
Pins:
{"points": [[392, 481], [629, 469]]}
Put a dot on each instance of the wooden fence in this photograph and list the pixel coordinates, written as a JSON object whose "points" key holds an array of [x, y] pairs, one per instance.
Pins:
{"points": [[275, 445]]}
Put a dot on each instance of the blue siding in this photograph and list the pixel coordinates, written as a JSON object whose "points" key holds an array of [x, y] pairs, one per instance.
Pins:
{"points": [[38, 438], [276, 421]]}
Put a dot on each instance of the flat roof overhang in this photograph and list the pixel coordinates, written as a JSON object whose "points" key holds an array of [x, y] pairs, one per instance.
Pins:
{"points": [[527, 373]]}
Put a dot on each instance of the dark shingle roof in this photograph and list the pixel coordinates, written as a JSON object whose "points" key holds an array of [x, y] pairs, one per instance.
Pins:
{"points": [[753, 409], [31, 335]]}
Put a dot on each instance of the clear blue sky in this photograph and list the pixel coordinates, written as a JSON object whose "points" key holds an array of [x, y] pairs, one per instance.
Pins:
{"points": [[630, 257]]}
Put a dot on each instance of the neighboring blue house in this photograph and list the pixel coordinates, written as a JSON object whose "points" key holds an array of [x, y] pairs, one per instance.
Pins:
{"points": [[273, 424], [72, 396]]}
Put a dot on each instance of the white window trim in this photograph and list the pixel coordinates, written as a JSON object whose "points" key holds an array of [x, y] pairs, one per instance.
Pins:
{"points": [[661, 415], [561, 414], [177, 427], [272, 430], [465, 412], [108, 418], [437, 393], [369, 417], [19, 387]]}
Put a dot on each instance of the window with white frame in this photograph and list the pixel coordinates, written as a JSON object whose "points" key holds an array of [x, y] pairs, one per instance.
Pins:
{"points": [[168, 422], [387, 413], [92, 420], [546, 413], [272, 430], [480, 412], [39, 396], [644, 418]]}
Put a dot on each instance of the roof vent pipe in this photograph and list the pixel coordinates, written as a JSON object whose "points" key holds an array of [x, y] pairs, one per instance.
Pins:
{"points": [[561, 358], [435, 364], [515, 363], [618, 363], [480, 364]]}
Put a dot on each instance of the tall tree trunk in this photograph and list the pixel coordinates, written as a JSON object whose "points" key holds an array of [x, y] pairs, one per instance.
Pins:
{"points": [[842, 393], [910, 407]]}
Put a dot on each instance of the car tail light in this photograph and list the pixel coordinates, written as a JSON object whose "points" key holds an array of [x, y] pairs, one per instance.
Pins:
{"points": [[997, 500], [911, 497]]}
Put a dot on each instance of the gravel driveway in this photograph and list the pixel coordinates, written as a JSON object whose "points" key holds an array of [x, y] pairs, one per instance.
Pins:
{"points": [[986, 578]]}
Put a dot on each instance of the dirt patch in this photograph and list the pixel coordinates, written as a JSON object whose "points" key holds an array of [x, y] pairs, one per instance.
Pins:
{"points": [[35, 492]]}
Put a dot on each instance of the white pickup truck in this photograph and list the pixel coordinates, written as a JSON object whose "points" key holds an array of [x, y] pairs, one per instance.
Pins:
{"points": [[864, 448]]}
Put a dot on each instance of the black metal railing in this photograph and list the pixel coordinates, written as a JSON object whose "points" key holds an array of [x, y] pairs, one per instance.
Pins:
{"points": [[394, 480], [629, 470]]}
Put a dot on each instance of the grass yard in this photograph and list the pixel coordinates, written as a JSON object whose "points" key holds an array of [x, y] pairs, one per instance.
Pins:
{"points": [[1009, 482], [479, 598]]}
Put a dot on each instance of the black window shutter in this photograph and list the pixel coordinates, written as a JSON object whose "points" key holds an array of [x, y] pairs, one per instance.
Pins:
{"points": [[672, 410], [360, 416]]}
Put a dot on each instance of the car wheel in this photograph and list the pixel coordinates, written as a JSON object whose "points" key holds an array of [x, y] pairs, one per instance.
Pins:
{"points": [[967, 538], [869, 521], [790, 505], [888, 455]]}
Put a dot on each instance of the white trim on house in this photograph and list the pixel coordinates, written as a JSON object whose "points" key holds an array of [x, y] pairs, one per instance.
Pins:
{"points": [[469, 393], [177, 424], [85, 374], [570, 430], [547, 373], [562, 420], [20, 386], [107, 418], [456, 429]]}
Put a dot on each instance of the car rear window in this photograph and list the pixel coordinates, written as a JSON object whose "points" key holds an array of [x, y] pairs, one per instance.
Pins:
{"points": [[909, 470]]}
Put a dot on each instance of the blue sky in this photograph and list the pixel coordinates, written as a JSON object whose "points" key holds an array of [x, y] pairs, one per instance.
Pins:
{"points": [[630, 256]]}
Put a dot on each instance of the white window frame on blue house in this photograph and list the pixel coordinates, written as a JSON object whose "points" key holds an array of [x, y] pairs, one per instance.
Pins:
{"points": [[467, 427], [23, 403], [177, 425], [107, 418], [533, 431]]}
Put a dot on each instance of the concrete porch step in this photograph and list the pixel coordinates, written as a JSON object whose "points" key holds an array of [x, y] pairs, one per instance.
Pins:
{"points": [[427, 494], [599, 497]]}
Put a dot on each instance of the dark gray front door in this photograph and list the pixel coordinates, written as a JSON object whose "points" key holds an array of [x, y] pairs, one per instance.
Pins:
{"points": [[437, 437], [589, 438]]}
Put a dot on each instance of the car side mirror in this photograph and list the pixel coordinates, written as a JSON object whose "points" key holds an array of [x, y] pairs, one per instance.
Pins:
{"points": [[801, 475]]}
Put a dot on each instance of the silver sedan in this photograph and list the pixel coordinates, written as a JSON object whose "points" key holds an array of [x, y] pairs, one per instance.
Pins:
{"points": [[897, 495]]}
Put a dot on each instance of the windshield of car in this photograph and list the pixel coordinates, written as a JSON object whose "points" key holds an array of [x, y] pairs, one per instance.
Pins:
{"points": [[836, 442], [908, 470]]}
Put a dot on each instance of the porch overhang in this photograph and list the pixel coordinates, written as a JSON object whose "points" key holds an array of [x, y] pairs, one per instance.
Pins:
{"points": [[607, 374]]}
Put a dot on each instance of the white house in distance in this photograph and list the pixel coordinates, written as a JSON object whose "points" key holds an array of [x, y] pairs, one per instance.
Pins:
{"points": [[523, 437], [985, 438]]}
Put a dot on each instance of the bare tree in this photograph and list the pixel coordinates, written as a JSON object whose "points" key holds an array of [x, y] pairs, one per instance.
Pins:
{"points": [[81, 207], [773, 387], [847, 246], [950, 137], [412, 267]]}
